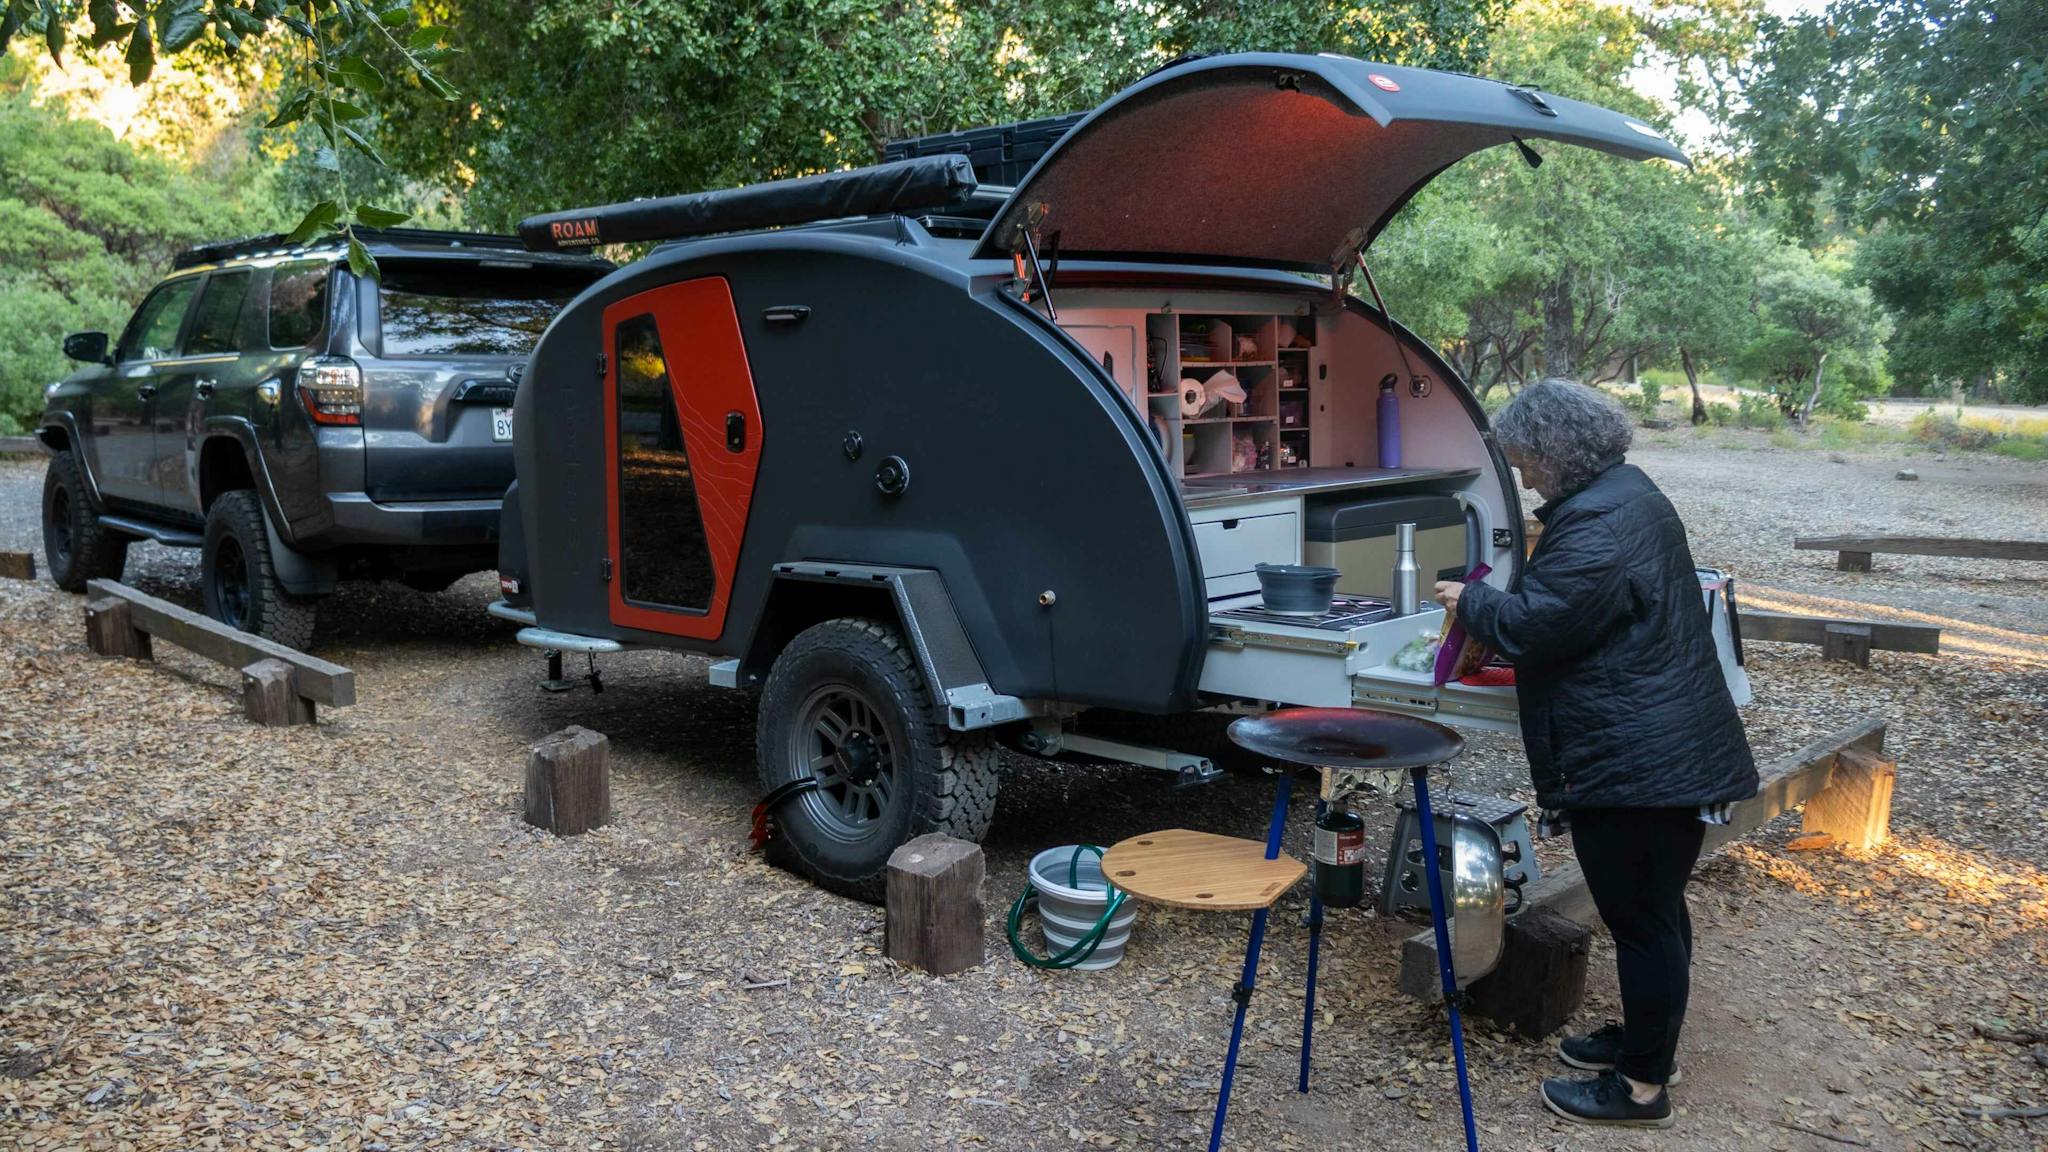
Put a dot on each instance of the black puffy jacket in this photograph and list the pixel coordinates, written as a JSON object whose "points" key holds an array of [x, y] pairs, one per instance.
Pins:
{"points": [[1622, 697]]}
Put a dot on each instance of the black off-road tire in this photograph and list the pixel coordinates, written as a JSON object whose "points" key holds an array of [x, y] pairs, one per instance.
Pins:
{"points": [[239, 583], [77, 547], [942, 780]]}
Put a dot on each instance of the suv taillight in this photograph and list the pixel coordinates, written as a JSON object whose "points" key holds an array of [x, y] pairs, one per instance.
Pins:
{"points": [[331, 388]]}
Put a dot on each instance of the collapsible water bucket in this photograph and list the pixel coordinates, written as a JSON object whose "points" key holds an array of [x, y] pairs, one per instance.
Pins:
{"points": [[1075, 904]]}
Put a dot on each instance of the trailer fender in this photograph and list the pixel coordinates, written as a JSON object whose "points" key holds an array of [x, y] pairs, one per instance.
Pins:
{"points": [[808, 591]]}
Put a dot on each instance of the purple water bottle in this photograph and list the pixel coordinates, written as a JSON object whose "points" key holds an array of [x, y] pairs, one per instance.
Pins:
{"points": [[1390, 423]]}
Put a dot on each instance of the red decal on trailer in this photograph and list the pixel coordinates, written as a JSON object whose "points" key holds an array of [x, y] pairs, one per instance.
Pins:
{"points": [[711, 384], [1383, 83]]}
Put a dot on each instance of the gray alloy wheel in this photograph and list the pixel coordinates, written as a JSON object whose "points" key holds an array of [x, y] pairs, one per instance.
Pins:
{"points": [[845, 705]]}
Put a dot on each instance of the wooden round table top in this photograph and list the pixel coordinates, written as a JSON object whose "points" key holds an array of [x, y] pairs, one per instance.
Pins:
{"points": [[1184, 869]]}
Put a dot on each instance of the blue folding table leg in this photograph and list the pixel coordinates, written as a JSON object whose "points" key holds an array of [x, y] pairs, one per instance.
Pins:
{"points": [[1427, 819], [1243, 992], [1308, 999]]}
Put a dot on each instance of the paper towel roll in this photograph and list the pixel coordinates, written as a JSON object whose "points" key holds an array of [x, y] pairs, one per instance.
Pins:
{"points": [[1227, 386], [1192, 397]]}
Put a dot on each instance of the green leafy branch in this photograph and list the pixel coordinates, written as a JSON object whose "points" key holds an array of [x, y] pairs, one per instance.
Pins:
{"points": [[335, 43]]}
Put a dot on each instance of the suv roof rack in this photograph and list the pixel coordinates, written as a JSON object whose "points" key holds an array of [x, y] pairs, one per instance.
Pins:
{"points": [[277, 244]]}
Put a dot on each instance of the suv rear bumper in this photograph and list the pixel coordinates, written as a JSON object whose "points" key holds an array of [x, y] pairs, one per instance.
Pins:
{"points": [[357, 519]]}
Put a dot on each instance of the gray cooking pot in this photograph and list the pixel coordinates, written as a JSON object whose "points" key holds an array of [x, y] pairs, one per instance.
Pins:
{"points": [[1303, 589]]}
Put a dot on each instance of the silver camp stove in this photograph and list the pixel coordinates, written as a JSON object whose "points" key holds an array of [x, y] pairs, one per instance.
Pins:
{"points": [[1345, 612]]}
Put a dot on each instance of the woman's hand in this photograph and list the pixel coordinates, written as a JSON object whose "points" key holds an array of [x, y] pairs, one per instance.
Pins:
{"points": [[1447, 593]]}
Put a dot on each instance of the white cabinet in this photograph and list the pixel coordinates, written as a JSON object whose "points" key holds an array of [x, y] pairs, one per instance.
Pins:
{"points": [[1237, 536]]}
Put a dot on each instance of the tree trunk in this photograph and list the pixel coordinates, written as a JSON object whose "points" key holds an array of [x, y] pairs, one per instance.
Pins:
{"points": [[1557, 329], [1692, 377], [1806, 411]]}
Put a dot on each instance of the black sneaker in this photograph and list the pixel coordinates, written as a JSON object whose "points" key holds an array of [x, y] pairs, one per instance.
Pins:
{"points": [[1605, 1100], [1598, 1051]]}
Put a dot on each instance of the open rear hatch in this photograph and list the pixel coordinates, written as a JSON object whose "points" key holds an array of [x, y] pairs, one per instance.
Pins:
{"points": [[1277, 161], [1290, 162]]}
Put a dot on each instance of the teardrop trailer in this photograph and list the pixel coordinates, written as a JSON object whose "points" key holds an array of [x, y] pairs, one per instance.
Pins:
{"points": [[917, 457]]}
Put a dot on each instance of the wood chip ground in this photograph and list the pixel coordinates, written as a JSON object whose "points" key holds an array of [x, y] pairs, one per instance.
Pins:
{"points": [[214, 935]]}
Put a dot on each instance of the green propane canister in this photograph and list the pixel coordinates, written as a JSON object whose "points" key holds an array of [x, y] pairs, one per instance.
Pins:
{"points": [[1340, 857]]}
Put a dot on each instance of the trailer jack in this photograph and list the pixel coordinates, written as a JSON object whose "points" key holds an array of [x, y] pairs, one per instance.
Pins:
{"points": [[555, 682]]}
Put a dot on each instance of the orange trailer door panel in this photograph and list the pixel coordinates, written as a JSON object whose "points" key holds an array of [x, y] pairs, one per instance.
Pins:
{"points": [[683, 445]]}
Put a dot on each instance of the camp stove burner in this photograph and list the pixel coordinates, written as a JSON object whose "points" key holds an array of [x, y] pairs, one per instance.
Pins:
{"points": [[1345, 612]]}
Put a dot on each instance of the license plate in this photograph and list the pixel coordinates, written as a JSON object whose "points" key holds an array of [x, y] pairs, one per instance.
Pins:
{"points": [[501, 425]]}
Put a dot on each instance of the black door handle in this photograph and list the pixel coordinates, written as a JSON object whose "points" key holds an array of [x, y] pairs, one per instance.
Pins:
{"points": [[146, 392], [203, 389]]}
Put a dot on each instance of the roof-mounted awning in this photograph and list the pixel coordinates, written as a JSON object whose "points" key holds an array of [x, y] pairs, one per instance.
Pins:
{"points": [[917, 185]]}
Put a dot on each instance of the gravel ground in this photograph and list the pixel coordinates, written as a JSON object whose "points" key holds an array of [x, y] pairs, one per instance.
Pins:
{"points": [[222, 936]]}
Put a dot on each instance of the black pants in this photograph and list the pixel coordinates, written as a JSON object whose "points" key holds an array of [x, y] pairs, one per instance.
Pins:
{"points": [[1637, 862]]}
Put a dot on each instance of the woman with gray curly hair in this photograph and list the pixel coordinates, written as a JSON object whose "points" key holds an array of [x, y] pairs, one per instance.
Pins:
{"points": [[1627, 720]]}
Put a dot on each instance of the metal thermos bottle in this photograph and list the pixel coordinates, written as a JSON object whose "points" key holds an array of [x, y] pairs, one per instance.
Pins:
{"points": [[1340, 858], [1389, 424], [1407, 577]]}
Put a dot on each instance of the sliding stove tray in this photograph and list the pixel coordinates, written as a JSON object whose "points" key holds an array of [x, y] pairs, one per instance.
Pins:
{"points": [[1345, 612]]}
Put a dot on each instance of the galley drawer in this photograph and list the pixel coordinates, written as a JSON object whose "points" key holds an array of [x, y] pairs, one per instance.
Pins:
{"points": [[1231, 547]]}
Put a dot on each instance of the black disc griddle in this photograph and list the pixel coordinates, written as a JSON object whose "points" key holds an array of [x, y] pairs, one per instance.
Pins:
{"points": [[1347, 738]]}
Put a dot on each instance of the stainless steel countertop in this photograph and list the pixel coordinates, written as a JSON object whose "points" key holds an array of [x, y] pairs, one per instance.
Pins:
{"points": [[1307, 481]]}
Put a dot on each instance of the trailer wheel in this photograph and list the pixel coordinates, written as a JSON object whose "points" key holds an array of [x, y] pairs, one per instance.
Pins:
{"points": [[846, 704]]}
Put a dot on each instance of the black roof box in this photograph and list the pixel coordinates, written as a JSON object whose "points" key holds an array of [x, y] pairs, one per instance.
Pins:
{"points": [[1001, 154]]}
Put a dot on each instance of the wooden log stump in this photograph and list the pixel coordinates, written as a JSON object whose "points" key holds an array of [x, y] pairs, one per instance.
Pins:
{"points": [[934, 915], [110, 631], [270, 695], [1540, 981], [569, 782], [1852, 562], [18, 565], [1856, 806], [1851, 642]]}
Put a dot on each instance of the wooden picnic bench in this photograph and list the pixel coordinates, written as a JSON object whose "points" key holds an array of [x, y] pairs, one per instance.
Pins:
{"points": [[1840, 638], [280, 685], [1855, 551]]}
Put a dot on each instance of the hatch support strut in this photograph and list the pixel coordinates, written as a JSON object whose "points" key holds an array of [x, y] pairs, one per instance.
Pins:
{"points": [[1418, 384], [1037, 272]]}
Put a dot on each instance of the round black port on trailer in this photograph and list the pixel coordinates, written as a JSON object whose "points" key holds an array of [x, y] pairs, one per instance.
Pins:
{"points": [[851, 444], [892, 476]]}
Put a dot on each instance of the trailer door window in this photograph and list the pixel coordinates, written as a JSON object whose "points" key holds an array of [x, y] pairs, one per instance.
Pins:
{"points": [[663, 558]]}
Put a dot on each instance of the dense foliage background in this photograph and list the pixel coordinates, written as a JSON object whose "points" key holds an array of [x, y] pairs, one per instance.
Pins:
{"points": [[1865, 213]]}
